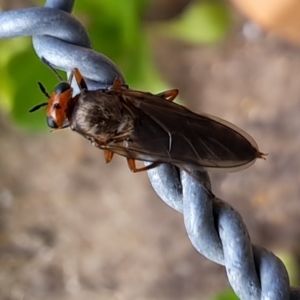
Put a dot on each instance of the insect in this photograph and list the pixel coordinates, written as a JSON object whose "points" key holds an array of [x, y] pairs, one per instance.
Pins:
{"points": [[146, 127]]}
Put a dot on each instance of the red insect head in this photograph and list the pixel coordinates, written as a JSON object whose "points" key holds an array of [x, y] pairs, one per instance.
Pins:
{"points": [[57, 105]]}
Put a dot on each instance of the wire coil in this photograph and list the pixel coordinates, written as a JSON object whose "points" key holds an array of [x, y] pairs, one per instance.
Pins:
{"points": [[215, 229]]}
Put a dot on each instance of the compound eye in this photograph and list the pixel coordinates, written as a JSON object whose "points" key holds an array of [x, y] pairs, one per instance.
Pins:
{"points": [[62, 87], [51, 123]]}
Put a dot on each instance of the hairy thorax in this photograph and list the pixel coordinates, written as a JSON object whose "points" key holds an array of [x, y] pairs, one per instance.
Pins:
{"points": [[101, 116]]}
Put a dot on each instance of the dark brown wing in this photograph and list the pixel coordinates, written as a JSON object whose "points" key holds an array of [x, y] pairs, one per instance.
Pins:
{"points": [[167, 132]]}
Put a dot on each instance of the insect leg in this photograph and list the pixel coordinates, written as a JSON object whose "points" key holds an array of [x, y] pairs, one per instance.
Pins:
{"points": [[75, 72], [118, 85], [134, 169], [79, 79], [168, 95], [261, 155], [108, 156]]}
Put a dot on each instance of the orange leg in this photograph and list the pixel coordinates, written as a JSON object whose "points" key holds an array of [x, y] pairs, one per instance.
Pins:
{"points": [[134, 169], [79, 79], [261, 155], [108, 156], [169, 95], [119, 84]]}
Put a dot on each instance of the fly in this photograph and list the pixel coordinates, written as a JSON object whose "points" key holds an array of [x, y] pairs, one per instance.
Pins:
{"points": [[147, 127]]}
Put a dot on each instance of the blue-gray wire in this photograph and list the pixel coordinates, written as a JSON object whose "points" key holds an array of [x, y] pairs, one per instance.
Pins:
{"points": [[215, 229]]}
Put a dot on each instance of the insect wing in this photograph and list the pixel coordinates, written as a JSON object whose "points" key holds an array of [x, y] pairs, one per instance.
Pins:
{"points": [[168, 132]]}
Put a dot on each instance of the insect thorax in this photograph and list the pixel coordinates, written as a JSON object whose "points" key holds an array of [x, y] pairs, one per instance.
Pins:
{"points": [[102, 116]]}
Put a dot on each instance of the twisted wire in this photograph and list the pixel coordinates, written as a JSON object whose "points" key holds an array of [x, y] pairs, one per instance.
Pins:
{"points": [[215, 229]]}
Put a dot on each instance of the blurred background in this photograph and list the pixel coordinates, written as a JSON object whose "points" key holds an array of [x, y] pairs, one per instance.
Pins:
{"points": [[73, 227]]}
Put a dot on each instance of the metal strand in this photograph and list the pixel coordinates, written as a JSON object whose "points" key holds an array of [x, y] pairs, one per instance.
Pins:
{"points": [[215, 229]]}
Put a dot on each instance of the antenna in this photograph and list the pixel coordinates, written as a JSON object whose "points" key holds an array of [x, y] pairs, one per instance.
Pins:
{"points": [[42, 88], [38, 107]]}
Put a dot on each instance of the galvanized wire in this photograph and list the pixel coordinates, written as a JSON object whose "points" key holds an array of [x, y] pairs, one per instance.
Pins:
{"points": [[215, 229]]}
